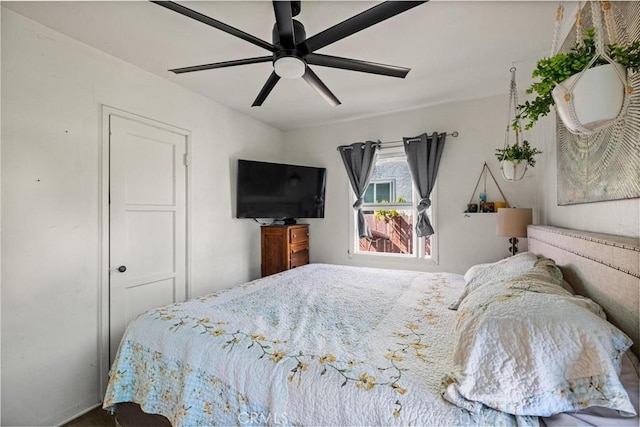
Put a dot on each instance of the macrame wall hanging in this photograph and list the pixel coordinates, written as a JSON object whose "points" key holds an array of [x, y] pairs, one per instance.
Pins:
{"points": [[605, 164]]}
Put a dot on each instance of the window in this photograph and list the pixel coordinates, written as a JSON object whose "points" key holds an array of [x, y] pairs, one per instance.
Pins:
{"points": [[380, 191], [390, 208]]}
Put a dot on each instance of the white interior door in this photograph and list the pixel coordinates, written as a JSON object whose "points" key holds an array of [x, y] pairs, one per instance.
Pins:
{"points": [[147, 222]]}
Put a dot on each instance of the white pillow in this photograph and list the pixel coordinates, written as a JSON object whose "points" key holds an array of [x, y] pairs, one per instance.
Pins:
{"points": [[525, 346], [566, 285], [597, 416], [524, 262]]}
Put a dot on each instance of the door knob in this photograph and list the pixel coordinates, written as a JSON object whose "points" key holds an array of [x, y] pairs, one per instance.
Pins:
{"points": [[122, 268]]}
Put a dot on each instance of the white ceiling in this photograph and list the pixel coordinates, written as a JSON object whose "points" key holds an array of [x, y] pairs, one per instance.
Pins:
{"points": [[455, 49]]}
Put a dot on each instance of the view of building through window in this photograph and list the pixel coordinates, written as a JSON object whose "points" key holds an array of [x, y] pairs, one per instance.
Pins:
{"points": [[389, 210]]}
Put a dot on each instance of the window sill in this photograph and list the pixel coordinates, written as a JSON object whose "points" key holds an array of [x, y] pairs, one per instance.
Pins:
{"points": [[382, 258]]}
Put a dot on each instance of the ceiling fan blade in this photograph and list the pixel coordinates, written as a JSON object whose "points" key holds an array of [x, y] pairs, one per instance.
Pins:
{"points": [[266, 89], [284, 20], [222, 64], [356, 65], [359, 22], [215, 23], [315, 82]]}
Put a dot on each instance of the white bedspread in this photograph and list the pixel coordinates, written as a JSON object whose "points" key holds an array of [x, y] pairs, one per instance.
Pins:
{"points": [[317, 345]]}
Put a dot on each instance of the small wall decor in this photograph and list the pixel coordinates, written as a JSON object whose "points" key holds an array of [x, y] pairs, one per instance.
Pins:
{"points": [[605, 165], [483, 205]]}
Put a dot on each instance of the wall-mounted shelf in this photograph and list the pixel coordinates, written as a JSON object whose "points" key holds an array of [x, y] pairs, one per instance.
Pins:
{"points": [[478, 213], [483, 173]]}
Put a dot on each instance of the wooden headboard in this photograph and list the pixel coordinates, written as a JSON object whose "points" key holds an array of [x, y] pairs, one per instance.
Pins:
{"points": [[602, 267]]}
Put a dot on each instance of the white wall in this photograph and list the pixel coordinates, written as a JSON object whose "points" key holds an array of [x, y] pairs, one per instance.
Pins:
{"points": [[462, 241], [52, 90], [619, 217]]}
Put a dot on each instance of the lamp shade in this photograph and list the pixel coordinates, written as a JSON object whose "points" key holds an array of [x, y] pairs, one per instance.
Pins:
{"points": [[512, 222]]}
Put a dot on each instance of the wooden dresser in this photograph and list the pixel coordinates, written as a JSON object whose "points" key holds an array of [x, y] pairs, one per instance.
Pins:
{"points": [[284, 247]]}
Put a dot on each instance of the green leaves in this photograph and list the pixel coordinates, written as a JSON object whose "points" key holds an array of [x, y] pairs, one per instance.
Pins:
{"points": [[517, 152], [557, 68], [628, 56], [388, 214]]}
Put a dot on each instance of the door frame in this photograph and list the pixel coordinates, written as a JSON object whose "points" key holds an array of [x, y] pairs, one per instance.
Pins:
{"points": [[104, 225]]}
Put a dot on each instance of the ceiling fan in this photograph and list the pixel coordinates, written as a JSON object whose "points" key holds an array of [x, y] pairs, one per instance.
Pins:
{"points": [[292, 52]]}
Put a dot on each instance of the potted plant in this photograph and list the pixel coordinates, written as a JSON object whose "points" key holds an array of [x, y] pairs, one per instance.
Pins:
{"points": [[514, 160], [560, 68]]}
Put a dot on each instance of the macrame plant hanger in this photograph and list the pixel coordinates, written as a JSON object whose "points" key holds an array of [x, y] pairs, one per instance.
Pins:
{"points": [[514, 170], [564, 95]]}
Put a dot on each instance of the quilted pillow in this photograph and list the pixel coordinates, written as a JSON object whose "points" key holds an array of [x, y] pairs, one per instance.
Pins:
{"points": [[526, 346], [549, 265], [481, 274], [596, 416]]}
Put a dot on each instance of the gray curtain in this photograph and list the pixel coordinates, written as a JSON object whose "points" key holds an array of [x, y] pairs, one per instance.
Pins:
{"points": [[359, 160], [423, 156]]}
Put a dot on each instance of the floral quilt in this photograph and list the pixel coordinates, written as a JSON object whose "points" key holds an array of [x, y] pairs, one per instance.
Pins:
{"points": [[316, 345]]}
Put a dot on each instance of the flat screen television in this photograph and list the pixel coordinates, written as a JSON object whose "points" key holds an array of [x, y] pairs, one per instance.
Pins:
{"points": [[280, 191]]}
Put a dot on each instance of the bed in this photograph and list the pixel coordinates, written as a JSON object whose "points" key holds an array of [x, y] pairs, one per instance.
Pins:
{"points": [[336, 345]]}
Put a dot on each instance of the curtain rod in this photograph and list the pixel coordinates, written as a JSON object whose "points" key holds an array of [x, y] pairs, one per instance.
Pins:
{"points": [[453, 134]]}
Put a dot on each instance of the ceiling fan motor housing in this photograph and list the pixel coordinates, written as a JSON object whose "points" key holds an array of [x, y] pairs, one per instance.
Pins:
{"points": [[289, 63], [299, 33]]}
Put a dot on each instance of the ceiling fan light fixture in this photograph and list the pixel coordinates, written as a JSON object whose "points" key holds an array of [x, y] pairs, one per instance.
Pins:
{"points": [[289, 67], [292, 50]]}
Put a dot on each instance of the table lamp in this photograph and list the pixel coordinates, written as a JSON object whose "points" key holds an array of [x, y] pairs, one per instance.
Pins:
{"points": [[512, 223]]}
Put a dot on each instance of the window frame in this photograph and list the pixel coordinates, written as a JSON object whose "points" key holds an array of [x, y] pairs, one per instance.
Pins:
{"points": [[418, 256]]}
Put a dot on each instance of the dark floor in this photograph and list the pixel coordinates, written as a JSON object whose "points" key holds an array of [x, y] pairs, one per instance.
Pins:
{"points": [[95, 418]]}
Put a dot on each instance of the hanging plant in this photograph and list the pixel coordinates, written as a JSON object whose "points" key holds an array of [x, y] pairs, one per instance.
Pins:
{"points": [[511, 157], [518, 153], [557, 68]]}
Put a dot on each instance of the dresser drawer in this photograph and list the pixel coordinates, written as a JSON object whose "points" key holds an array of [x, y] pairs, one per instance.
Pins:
{"points": [[299, 235], [299, 258], [295, 248]]}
